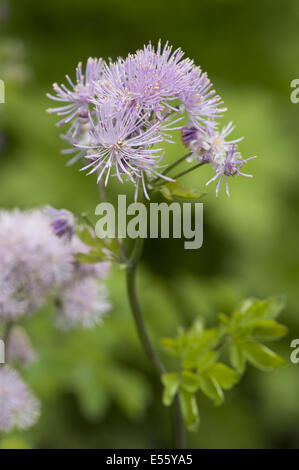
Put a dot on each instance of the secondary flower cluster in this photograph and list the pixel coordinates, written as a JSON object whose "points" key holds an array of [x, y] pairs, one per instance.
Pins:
{"points": [[207, 144], [37, 251], [37, 260], [18, 407], [121, 113]]}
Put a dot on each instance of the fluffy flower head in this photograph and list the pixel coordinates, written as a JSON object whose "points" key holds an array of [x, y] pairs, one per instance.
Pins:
{"points": [[120, 111], [33, 261], [18, 407], [79, 95], [83, 303]]}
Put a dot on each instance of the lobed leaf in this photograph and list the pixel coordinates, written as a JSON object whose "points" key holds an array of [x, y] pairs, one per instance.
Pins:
{"points": [[171, 382]]}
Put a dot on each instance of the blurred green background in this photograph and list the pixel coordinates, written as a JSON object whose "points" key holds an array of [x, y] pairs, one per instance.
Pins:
{"points": [[97, 388]]}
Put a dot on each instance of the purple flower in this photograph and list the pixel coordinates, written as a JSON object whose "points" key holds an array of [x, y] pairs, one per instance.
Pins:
{"points": [[121, 111], [207, 143], [121, 140], [152, 79], [18, 407], [62, 222], [19, 347], [78, 96], [149, 78], [203, 103], [230, 165], [83, 303], [33, 261]]}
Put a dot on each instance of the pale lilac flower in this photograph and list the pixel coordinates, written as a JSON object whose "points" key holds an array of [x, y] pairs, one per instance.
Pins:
{"points": [[83, 303], [19, 348], [62, 222], [229, 165], [121, 111], [33, 261], [18, 407], [207, 143], [78, 96], [149, 79], [119, 142], [152, 79], [203, 103], [12, 302]]}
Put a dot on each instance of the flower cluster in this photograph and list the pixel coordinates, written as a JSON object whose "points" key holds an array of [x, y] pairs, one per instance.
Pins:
{"points": [[37, 260], [18, 407], [19, 349], [33, 262], [37, 251], [121, 112], [207, 144]]}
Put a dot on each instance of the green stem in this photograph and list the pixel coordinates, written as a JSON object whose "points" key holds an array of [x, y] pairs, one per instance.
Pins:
{"points": [[131, 266], [170, 167], [143, 335], [179, 425], [121, 247], [179, 430], [187, 171]]}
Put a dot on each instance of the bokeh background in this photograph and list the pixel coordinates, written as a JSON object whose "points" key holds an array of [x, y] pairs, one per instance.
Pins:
{"points": [[97, 388]]}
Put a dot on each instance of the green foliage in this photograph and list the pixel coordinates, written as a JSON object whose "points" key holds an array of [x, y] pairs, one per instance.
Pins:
{"points": [[100, 249], [174, 188], [251, 253], [199, 350]]}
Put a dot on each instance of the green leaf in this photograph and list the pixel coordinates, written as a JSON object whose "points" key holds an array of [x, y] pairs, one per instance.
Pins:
{"points": [[196, 330], [190, 410], [248, 311], [174, 188], [171, 345], [223, 319], [237, 358], [197, 347], [88, 238], [252, 310], [206, 360], [211, 388], [268, 330], [89, 258], [275, 306], [224, 375], [166, 192], [171, 382], [190, 381], [262, 357]]}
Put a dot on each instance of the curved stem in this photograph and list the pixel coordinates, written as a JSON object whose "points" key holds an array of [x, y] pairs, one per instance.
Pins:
{"points": [[179, 430], [143, 335], [188, 170], [131, 264], [179, 425], [170, 167], [121, 247]]}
